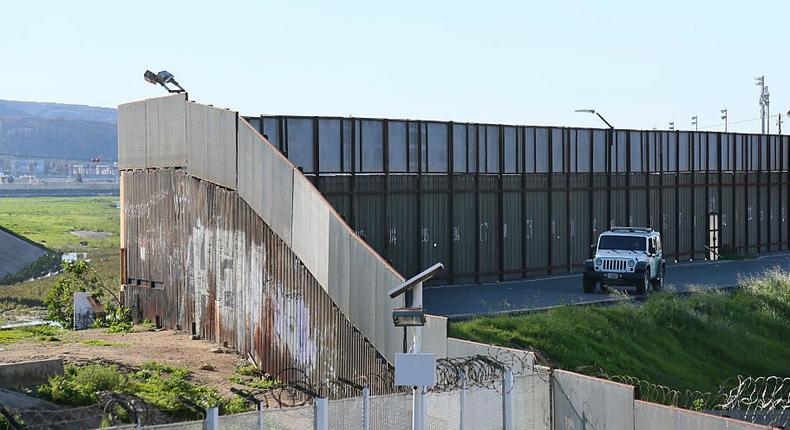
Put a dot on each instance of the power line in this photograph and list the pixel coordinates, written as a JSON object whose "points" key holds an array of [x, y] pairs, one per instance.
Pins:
{"points": [[735, 122]]}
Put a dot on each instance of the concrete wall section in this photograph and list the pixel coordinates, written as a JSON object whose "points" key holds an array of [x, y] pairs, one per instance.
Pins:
{"points": [[310, 228], [131, 135], [29, 373], [464, 348], [650, 416], [583, 402], [532, 400], [434, 336], [166, 133], [211, 144], [339, 263]]}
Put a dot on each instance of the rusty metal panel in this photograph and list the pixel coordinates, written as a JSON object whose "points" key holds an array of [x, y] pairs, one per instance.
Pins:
{"points": [[200, 254], [131, 135]]}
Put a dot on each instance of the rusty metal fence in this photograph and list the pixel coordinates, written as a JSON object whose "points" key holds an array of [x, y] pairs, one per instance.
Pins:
{"points": [[198, 258], [498, 202]]}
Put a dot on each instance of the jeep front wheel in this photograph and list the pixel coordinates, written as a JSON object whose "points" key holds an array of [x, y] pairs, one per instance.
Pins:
{"points": [[589, 285], [641, 287]]}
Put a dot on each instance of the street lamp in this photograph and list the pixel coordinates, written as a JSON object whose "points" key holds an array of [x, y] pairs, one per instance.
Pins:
{"points": [[724, 117], [672, 125], [694, 123], [592, 111], [413, 368], [163, 78]]}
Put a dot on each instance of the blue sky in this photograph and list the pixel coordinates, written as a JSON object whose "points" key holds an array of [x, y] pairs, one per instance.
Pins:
{"points": [[641, 64]]}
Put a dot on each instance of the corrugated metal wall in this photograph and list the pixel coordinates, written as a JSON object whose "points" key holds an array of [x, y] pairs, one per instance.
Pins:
{"points": [[199, 256], [497, 202]]}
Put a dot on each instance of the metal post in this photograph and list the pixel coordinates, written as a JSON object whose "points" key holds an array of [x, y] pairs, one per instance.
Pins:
{"points": [[212, 418], [366, 408], [462, 400], [321, 417], [260, 416], [418, 393], [507, 400]]}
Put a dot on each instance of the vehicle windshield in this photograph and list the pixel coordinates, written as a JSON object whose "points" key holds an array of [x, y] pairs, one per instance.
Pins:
{"points": [[628, 243]]}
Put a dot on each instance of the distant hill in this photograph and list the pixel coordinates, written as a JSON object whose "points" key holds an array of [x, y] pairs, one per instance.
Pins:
{"points": [[58, 130]]}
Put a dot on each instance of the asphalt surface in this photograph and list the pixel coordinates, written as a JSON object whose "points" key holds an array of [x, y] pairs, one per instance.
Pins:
{"points": [[537, 293]]}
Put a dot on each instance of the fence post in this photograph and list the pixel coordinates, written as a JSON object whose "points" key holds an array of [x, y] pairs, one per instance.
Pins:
{"points": [[260, 416], [462, 400], [507, 400], [212, 418], [366, 408], [321, 414]]}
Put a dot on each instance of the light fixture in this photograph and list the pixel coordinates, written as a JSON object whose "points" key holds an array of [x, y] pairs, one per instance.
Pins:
{"points": [[408, 317], [163, 78], [593, 112]]}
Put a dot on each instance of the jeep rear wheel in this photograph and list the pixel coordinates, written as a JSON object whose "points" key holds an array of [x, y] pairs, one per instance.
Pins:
{"points": [[658, 283], [589, 285], [641, 287]]}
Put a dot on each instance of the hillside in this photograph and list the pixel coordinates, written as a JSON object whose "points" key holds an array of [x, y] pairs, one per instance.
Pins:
{"points": [[57, 130], [685, 343]]}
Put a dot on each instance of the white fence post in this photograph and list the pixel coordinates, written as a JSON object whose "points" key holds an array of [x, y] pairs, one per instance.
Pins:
{"points": [[366, 408], [462, 399], [321, 414], [260, 416], [212, 418], [507, 400]]}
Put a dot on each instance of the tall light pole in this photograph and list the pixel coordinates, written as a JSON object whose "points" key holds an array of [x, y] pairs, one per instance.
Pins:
{"points": [[694, 123], [608, 158], [724, 117], [765, 110], [672, 125]]}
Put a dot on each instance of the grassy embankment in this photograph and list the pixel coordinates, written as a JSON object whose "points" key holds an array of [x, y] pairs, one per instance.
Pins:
{"points": [[50, 222], [684, 343]]}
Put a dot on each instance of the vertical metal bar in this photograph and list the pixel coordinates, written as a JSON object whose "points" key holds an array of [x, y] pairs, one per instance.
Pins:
{"points": [[523, 237], [708, 209], [419, 247], [759, 193], [507, 400], [591, 186], [644, 139], [678, 213], [628, 172], [352, 180], [386, 163], [366, 408], [747, 165], [693, 175], [321, 416], [477, 203], [660, 164], [566, 149], [450, 202], [549, 195], [500, 200], [316, 152], [610, 142]]}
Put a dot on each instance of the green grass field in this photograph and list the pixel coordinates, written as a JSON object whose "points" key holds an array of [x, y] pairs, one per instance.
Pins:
{"points": [[50, 221], [684, 343]]}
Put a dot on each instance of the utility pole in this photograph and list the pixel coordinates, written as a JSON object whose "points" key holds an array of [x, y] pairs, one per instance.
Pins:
{"points": [[724, 117], [694, 123], [779, 123], [765, 110]]}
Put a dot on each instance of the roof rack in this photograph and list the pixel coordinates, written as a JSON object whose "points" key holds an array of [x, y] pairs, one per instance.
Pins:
{"points": [[633, 229]]}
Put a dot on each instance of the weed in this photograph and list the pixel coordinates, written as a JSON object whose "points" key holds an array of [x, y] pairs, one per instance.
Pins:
{"points": [[40, 333], [99, 342]]}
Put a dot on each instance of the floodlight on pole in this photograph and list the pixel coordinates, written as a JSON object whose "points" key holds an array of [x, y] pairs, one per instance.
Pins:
{"points": [[592, 111], [672, 125], [694, 122], [724, 117], [163, 78]]}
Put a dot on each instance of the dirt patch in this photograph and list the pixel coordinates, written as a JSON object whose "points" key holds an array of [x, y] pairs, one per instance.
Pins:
{"points": [[132, 349], [87, 234]]}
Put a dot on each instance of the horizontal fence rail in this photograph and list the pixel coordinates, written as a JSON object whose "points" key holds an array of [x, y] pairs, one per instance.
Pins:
{"points": [[498, 202]]}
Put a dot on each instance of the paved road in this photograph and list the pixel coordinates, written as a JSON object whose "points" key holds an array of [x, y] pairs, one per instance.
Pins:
{"points": [[455, 300]]}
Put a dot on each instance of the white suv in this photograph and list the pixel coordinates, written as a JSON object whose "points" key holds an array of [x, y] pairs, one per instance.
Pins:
{"points": [[626, 256]]}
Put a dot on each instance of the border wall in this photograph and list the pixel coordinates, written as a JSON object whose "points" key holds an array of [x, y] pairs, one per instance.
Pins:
{"points": [[498, 202], [222, 235]]}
